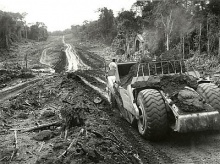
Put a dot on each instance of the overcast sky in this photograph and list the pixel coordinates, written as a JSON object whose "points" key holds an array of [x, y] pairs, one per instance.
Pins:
{"points": [[61, 14]]}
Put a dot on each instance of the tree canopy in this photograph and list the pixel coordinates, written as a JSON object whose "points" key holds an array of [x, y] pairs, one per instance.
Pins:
{"points": [[183, 25], [13, 28]]}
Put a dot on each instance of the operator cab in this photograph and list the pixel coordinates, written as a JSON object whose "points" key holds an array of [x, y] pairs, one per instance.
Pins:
{"points": [[123, 69]]}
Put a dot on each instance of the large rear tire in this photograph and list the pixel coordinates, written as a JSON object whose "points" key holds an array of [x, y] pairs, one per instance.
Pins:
{"points": [[211, 94], [153, 123]]}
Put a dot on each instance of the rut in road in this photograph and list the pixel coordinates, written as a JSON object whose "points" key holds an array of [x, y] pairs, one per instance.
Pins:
{"points": [[44, 60], [72, 59], [74, 62], [147, 152]]}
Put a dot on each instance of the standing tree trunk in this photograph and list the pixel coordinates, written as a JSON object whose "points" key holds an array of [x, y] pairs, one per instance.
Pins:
{"points": [[167, 42], [219, 40], [200, 33], [6, 42], [219, 46], [183, 47], [25, 27], [168, 26], [208, 41]]}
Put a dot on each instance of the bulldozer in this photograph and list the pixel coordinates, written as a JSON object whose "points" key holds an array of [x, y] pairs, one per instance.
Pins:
{"points": [[153, 111]]}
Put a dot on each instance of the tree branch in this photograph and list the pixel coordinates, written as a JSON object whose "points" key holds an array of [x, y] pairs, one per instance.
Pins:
{"points": [[163, 21]]}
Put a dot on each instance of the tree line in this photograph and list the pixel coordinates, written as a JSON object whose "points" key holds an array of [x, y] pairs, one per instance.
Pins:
{"points": [[13, 28], [183, 26], [103, 29]]}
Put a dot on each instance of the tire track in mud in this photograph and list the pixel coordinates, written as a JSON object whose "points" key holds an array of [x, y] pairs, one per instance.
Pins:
{"points": [[44, 60], [74, 62], [72, 59], [197, 147], [147, 153], [5, 94], [100, 91]]}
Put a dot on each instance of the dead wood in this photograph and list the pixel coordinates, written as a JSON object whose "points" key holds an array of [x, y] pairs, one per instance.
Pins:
{"points": [[14, 153], [71, 144], [41, 146], [97, 134], [40, 127], [16, 139], [66, 133]]}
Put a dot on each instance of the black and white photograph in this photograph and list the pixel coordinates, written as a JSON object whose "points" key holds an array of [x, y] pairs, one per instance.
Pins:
{"points": [[110, 81]]}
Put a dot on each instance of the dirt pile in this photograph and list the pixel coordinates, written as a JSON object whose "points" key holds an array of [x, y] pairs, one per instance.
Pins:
{"points": [[147, 67], [189, 100], [170, 84]]}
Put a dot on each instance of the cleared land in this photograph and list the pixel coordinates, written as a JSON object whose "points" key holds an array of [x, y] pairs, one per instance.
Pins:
{"points": [[66, 118]]}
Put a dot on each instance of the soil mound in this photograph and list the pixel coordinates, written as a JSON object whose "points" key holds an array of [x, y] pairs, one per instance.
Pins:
{"points": [[147, 68], [189, 100], [170, 84]]}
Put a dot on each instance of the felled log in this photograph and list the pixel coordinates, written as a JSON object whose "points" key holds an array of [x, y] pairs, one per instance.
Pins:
{"points": [[40, 127]]}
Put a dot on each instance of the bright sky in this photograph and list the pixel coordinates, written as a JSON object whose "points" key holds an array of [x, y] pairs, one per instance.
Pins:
{"points": [[61, 14]]}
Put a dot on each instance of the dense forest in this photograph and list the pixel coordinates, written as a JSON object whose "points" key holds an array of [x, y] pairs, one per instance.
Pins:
{"points": [[182, 26], [13, 28]]}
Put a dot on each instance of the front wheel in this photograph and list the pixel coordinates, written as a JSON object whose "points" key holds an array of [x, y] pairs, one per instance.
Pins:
{"points": [[152, 124]]}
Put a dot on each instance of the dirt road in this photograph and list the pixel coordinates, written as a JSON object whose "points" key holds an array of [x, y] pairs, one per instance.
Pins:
{"points": [[44, 59], [200, 147], [73, 60]]}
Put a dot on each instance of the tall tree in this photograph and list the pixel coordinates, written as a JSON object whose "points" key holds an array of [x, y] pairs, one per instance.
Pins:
{"points": [[106, 23], [128, 26], [165, 17], [6, 28], [174, 20], [214, 8], [38, 31]]}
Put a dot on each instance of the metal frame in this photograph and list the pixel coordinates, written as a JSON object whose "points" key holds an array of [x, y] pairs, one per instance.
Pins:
{"points": [[162, 65]]}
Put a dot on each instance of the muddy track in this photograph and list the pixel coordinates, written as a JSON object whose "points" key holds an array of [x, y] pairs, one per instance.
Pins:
{"points": [[15, 90], [199, 147], [147, 152]]}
